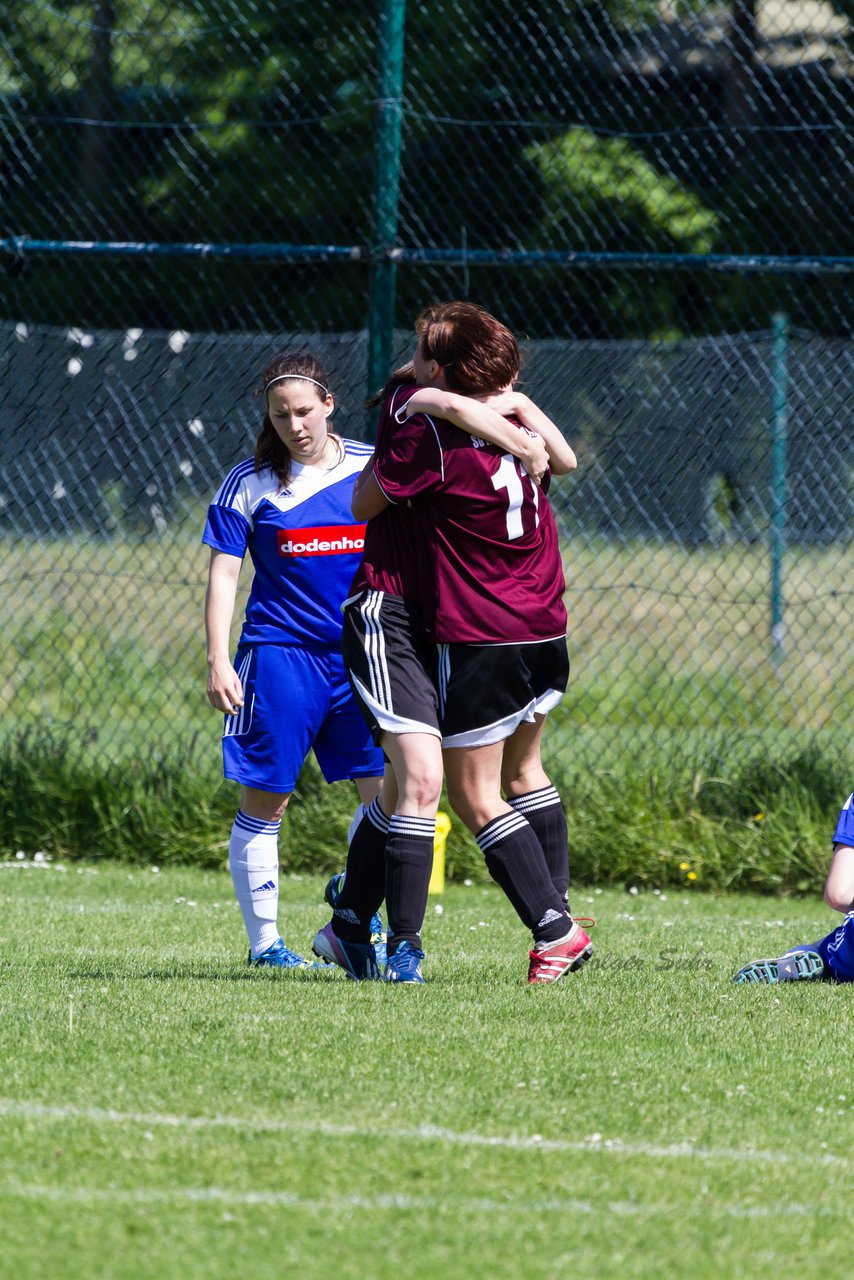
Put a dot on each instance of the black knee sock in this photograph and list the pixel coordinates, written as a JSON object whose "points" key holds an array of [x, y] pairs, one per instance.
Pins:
{"points": [[409, 861], [363, 888], [544, 812], [515, 860]]}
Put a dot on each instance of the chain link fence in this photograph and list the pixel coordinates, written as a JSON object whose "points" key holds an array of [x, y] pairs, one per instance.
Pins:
{"points": [[657, 195]]}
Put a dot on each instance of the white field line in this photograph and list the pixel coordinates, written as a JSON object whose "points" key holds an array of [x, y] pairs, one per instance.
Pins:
{"points": [[596, 1144], [315, 1204]]}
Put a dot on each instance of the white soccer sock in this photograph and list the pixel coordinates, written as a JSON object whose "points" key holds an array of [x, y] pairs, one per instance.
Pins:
{"points": [[253, 860]]}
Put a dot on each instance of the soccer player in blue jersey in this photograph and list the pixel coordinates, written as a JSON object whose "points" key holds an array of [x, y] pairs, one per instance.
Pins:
{"points": [[286, 692], [832, 957]]}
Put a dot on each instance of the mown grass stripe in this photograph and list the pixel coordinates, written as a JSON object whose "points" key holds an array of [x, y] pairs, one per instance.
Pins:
{"points": [[596, 1144], [382, 1203]]}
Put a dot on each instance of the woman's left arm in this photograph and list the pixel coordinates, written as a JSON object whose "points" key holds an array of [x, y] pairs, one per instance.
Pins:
{"points": [[562, 457], [480, 419]]}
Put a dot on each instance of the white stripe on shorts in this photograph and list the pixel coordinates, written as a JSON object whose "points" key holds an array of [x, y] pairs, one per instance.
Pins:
{"points": [[495, 732], [443, 675], [241, 723], [548, 701], [387, 720], [375, 648]]}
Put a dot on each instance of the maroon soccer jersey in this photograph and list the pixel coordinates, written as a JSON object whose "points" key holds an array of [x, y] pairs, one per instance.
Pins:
{"points": [[393, 561], [488, 531]]}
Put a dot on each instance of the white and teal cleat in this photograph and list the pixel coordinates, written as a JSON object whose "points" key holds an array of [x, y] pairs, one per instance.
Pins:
{"points": [[803, 965]]}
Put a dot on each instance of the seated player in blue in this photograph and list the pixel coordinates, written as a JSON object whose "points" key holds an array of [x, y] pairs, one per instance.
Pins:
{"points": [[287, 691], [831, 957]]}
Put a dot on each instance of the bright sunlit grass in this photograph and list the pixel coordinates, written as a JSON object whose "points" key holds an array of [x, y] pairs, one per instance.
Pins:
{"points": [[165, 1112]]}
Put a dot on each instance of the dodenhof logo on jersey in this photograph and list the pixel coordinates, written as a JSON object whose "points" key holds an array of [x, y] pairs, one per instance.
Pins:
{"points": [[322, 540]]}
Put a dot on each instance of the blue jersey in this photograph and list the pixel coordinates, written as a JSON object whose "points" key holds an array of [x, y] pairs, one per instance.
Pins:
{"points": [[844, 833], [303, 541]]}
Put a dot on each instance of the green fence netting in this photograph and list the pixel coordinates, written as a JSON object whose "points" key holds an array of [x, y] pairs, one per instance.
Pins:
{"points": [[657, 196]]}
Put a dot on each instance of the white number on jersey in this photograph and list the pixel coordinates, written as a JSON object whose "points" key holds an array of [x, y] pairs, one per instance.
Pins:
{"points": [[509, 477]]}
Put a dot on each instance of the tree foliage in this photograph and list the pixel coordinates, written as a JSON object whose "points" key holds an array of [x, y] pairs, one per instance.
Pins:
{"points": [[236, 122]]}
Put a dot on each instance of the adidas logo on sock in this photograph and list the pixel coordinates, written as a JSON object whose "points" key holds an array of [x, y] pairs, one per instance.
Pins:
{"points": [[265, 888]]}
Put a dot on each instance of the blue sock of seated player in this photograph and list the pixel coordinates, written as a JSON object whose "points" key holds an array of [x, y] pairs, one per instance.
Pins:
{"points": [[514, 858], [837, 950], [364, 882], [408, 861]]}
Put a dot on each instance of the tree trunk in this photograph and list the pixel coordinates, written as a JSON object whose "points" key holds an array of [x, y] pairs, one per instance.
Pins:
{"points": [[740, 96], [99, 108]]}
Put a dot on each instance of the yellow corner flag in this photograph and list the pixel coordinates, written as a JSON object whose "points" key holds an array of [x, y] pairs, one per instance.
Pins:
{"points": [[437, 875]]}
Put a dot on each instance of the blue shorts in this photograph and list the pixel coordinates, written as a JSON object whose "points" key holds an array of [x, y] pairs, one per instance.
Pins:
{"points": [[294, 702], [837, 950]]}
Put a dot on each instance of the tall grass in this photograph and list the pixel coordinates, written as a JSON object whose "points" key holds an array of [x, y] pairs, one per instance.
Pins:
{"points": [[700, 814], [686, 750]]}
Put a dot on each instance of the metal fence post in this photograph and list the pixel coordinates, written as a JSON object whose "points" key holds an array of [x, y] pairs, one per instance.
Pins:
{"points": [[779, 481], [387, 192]]}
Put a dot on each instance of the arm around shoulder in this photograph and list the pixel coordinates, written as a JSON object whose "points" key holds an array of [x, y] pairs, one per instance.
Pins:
{"points": [[480, 419], [368, 498], [562, 457]]}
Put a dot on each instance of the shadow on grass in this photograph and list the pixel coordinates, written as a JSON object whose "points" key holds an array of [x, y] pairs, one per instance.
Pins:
{"points": [[179, 972]]}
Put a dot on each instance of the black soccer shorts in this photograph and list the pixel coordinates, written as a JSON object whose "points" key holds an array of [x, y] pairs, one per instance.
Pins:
{"points": [[487, 690], [392, 668]]}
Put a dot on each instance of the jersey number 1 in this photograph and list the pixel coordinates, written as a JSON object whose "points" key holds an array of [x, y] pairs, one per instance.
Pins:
{"points": [[507, 477]]}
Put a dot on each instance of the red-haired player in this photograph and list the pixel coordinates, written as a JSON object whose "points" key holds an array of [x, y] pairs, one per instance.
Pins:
{"points": [[455, 637]]}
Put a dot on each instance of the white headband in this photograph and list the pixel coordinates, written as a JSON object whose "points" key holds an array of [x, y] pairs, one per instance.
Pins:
{"points": [[303, 376]]}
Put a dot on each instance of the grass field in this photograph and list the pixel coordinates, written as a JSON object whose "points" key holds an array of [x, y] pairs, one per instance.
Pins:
{"points": [[166, 1113]]}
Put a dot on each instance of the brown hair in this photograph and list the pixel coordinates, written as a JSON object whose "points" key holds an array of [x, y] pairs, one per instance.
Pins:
{"points": [[478, 353], [269, 448]]}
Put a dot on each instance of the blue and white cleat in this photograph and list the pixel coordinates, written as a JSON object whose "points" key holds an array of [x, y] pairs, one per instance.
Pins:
{"points": [[405, 964], [332, 893], [278, 956], [795, 966], [357, 959]]}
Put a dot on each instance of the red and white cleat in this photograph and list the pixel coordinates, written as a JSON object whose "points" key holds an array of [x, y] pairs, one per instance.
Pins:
{"points": [[551, 960]]}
